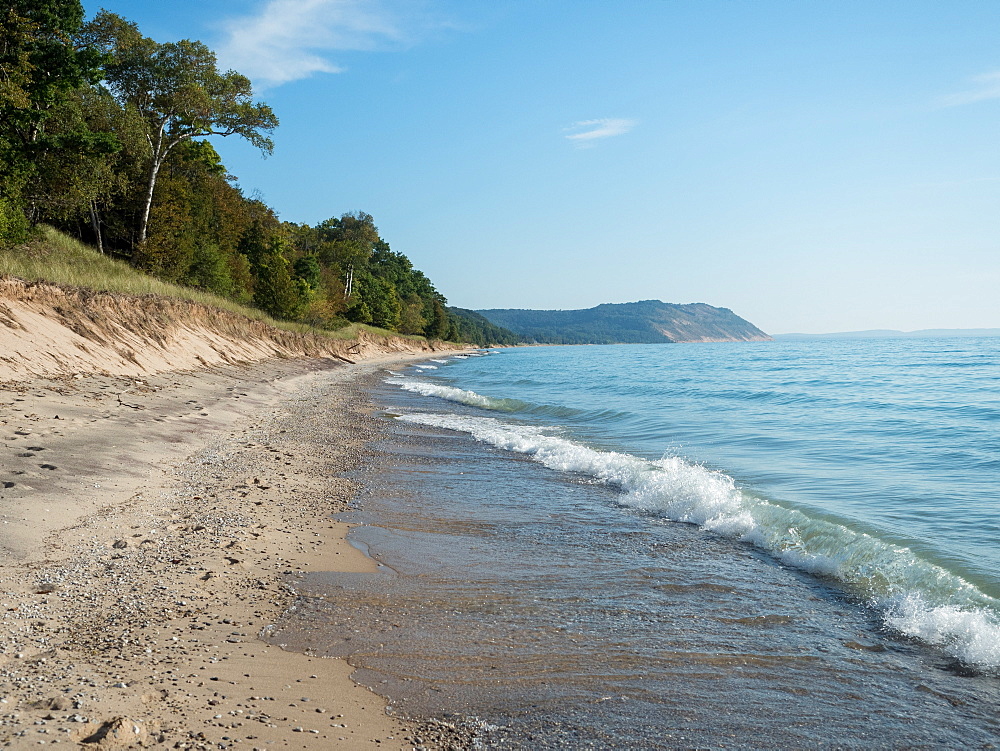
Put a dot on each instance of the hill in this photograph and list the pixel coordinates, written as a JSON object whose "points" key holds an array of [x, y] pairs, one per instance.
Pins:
{"points": [[474, 328], [648, 321]]}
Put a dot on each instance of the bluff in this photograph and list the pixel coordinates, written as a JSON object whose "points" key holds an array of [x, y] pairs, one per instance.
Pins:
{"points": [[48, 330], [647, 321]]}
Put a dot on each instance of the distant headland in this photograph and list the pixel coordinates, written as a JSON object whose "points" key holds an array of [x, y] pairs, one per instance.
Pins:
{"points": [[644, 322]]}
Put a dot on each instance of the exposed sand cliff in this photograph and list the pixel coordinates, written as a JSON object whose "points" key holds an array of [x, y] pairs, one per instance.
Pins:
{"points": [[47, 330], [164, 468]]}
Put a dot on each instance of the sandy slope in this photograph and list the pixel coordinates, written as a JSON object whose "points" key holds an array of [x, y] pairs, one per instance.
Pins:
{"points": [[150, 518], [47, 330]]}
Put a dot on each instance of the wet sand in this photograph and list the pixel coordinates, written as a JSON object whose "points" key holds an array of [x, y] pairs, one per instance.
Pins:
{"points": [[148, 529], [532, 605]]}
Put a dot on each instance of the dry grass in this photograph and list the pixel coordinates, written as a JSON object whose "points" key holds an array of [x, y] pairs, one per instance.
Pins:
{"points": [[61, 260]]}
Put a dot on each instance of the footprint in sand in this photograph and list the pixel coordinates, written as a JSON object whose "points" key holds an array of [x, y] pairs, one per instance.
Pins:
{"points": [[9, 484], [48, 466]]}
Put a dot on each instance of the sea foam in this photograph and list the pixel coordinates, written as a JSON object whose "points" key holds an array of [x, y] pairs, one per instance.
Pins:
{"points": [[453, 394], [918, 598]]}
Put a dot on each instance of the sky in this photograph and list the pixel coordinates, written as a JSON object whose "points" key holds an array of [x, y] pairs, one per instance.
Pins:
{"points": [[813, 166]]}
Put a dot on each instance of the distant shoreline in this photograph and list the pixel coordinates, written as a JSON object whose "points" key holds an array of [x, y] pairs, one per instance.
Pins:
{"points": [[893, 334]]}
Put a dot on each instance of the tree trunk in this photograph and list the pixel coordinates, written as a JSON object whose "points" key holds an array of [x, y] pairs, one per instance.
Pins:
{"points": [[349, 286], [95, 222], [159, 157], [154, 170]]}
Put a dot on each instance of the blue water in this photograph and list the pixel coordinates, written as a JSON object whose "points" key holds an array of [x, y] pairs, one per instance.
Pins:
{"points": [[870, 462], [766, 545]]}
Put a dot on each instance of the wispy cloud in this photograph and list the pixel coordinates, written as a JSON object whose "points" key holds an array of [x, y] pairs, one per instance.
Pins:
{"points": [[987, 87], [292, 39], [586, 133]]}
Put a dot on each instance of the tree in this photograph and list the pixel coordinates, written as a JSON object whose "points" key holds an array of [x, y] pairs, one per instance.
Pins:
{"points": [[347, 242], [39, 63], [439, 325], [76, 167], [179, 92], [382, 300], [308, 270], [275, 292], [39, 66]]}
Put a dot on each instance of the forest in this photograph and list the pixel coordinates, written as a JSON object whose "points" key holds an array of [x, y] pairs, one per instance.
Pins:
{"points": [[643, 322], [106, 135]]}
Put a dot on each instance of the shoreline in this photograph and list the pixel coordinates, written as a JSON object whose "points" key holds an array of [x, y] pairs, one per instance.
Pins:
{"points": [[149, 527]]}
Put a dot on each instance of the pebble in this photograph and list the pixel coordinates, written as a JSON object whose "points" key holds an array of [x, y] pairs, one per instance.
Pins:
{"points": [[111, 622]]}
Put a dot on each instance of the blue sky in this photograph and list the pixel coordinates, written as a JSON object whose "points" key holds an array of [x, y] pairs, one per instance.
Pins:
{"points": [[815, 166]]}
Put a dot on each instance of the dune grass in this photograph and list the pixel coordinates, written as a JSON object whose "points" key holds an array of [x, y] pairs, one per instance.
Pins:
{"points": [[59, 259]]}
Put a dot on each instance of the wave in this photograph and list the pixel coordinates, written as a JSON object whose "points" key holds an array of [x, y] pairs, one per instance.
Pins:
{"points": [[474, 399], [916, 597], [452, 394]]}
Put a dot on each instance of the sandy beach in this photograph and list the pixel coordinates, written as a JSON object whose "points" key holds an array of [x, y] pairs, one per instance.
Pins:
{"points": [[149, 527]]}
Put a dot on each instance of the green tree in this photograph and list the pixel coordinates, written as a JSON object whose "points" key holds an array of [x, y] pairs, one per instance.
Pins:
{"points": [[307, 269], [76, 170], [180, 94], [39, 66], [347, 242], [274, 290], [439, 323], [411, 317], [383, 302]]}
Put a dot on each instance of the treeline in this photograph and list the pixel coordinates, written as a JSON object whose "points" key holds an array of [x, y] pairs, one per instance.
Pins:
{"points": [[104, 135], [472, 327]]}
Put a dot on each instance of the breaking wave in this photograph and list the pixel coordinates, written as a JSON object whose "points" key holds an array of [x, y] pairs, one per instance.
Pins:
{"points": [[917, 598]]}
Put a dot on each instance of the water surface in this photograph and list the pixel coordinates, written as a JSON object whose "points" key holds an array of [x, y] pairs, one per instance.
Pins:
{"points": [[666, 546]]}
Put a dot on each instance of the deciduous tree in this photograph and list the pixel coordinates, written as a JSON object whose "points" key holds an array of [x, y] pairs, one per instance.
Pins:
{"points": [[39, 66], [181, 95]]}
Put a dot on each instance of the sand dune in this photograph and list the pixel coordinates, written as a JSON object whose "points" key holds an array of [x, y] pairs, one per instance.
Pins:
{"points": [[165, 470]]}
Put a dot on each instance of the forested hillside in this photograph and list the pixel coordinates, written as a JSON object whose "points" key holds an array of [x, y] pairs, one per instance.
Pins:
{"points": [[472, 327], [648, 321], [106, 134]]}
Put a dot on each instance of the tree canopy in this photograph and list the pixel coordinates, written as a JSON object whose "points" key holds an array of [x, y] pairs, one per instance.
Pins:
{"points": [[106, 134], [179, 93]]}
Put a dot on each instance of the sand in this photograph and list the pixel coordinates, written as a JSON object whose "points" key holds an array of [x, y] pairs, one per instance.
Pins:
{"points": [[149, 527], [51, 331]]}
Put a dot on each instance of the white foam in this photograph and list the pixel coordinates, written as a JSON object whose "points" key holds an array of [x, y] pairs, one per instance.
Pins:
{"points": [[972, 636], [918, 598], [425, 366], [442, 362], [447, 392]]}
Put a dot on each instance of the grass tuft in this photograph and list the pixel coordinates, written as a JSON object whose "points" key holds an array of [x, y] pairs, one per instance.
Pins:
{"points": [[59, 259]]}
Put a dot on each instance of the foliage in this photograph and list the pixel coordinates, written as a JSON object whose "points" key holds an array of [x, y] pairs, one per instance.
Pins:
{"points": [[178, 92], [13, 224], [647, 321], [39, 67], [473, 327], [104, 134]]}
